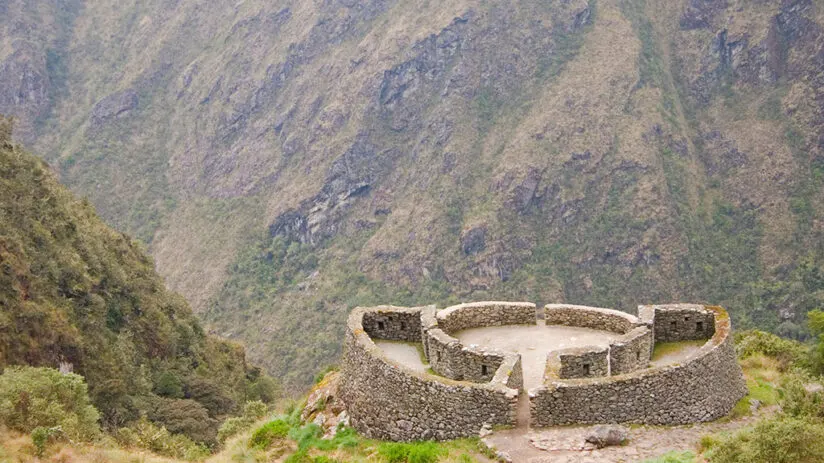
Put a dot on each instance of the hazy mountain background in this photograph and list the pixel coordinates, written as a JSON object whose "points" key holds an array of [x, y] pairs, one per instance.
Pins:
{"points": [[284, 161]]}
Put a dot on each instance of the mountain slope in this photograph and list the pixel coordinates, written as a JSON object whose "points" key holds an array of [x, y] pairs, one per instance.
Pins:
{"points": [[73, 291], [287, 160]]}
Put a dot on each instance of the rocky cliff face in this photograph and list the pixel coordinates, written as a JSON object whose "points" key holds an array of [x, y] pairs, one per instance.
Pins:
{"points": [[286, 160]]}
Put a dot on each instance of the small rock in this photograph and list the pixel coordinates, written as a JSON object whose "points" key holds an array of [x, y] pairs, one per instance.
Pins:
{"points": [[503, 456], [607, 435], [755, 404], [319, 420], [485, 431]]}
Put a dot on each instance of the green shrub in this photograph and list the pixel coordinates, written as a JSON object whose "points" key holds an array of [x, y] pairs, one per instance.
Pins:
{"points": [[41, 437], [789, 353], [45, 398], [799, 402], [184, 416], [264, 436], [776, 440], [414, 452], [252, 411], [263, 388], [169, 384], [230, 427], [146, 435]]}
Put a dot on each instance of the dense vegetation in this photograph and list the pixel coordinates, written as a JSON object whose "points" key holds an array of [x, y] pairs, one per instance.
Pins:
{"points": [[76, 294]]}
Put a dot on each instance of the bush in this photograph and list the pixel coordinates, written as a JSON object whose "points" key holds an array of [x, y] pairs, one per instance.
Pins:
{"points": [[146, 435], [788, 353], [776, 440], [42, 437], [230, 427], [264, 436], [414, 452], [33, 398], [252, 412], [184, 416], [797, 401]]}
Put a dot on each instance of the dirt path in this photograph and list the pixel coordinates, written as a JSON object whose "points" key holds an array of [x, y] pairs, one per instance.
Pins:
{"points": [[566, 444]]}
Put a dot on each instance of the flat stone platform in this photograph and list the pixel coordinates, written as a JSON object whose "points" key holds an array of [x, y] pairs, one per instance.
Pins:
{"points": [[534, 342], [405, 353]]}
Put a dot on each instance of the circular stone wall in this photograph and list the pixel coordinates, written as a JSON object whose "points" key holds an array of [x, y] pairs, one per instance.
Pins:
{"points": [[388, 400]]}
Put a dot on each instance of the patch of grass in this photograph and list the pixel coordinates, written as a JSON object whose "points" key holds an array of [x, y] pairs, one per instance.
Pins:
{"points": [[267, 434], [673, 457], [664, 349], [414, 452]]}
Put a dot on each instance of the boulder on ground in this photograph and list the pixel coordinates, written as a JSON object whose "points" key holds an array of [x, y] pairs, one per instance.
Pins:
{"points": [[607, 435]]}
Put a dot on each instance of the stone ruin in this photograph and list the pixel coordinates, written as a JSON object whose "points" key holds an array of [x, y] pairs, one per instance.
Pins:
{"points": [[469, 387]]}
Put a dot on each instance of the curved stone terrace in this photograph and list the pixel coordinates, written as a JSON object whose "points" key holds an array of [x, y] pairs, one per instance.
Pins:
{"points": [[420, 373]]}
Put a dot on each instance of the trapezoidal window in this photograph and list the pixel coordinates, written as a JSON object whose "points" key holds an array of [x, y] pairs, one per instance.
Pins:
{"points": [[484, 370], [699, 326], [403, 325], [586, 369], [638, 356], [673, 324], [380, 325]]}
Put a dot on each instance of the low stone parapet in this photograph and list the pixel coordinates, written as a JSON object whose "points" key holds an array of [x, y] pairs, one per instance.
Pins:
{"points": [[481, 314], [590, 317], [582, 362]]}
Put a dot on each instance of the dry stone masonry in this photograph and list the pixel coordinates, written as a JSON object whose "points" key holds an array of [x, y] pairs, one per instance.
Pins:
{"points": [[470, 387]]}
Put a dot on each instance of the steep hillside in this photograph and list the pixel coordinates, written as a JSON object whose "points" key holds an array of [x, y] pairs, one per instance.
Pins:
{"points": [[286, 160], [76, 293]]}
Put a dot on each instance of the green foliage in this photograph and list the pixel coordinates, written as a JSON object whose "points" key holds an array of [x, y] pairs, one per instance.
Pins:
{"points": [[41, 437], [797, 400], [753, 342], [816, 325], [673, 457], [146, 435], [6, 129], [414, 452], [74, 290], [775, 440], [322, 373], [310, 436], [231, 427], [184, 416], [264, 436], [32, 398], [252, 412], [169, 385]]}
